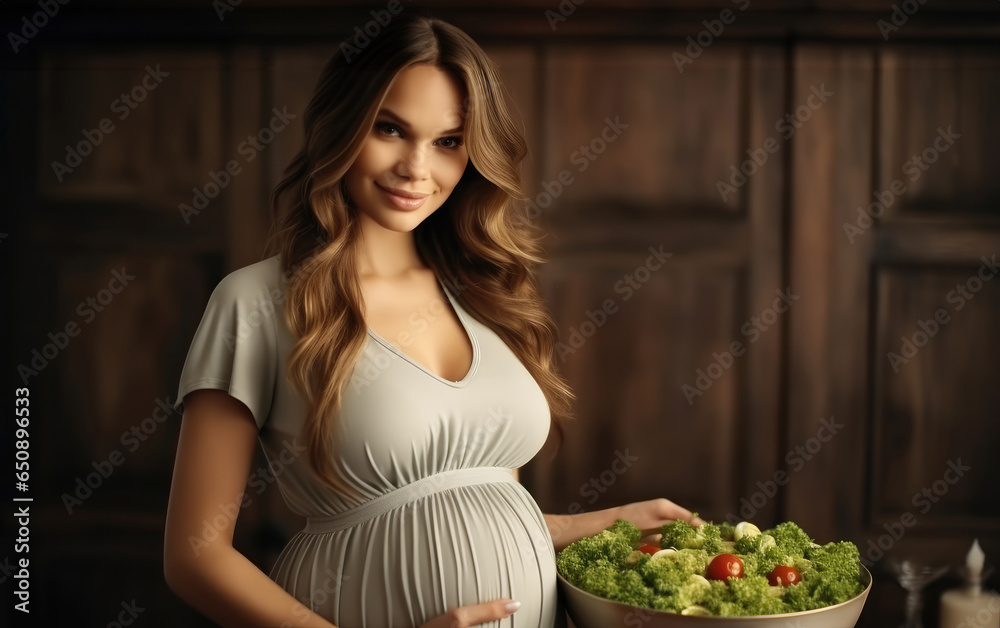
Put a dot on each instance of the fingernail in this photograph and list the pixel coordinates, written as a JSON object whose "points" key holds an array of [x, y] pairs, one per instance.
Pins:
{"points": [[512, 606]]}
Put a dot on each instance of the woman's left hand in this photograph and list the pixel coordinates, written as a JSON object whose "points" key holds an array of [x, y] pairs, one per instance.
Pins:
{"points": [[651, 515]]}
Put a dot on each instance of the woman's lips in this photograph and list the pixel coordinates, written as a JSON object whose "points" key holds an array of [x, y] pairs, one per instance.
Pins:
{"points": [[403, 199]]}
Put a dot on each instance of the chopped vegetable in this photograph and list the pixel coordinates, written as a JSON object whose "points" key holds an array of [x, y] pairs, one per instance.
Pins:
{"points": [[723, 567], [697, 611], [664, 552], [782, 576], [683, 535], [791, 538], [745, 528]]}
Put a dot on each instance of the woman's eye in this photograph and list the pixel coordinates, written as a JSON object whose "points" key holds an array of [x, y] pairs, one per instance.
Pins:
{"points": [[387, 128], [450, 142]]}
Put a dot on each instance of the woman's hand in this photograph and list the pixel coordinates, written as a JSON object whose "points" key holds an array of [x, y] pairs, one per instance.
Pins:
{"points": [[651, 515], [463, 616]]}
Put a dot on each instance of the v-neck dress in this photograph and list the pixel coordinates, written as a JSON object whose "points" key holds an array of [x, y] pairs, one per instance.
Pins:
{"points": [[441, 522]]}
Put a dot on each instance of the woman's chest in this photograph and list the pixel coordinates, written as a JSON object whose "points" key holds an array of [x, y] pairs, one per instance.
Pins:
{"points": [[418, 320], [396, 416]]}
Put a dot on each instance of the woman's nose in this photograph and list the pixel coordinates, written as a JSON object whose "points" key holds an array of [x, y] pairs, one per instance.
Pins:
{"points": [[414, 164]]}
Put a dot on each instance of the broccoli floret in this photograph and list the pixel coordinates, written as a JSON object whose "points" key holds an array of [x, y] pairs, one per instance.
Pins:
{"points": [[631, 589], [830, 575], [839, 559], [791, 539], [599, 578], [689, 561], [718, 599], [663, 576], [689, 593], [726, 531], [696, 588], [757, 544], [749, 595], [804, 566], [627, 529], [713, 538], [838, 566], [751, 564], [753, 596], [572, 562], [673, 589], [636, 560], [612, 545], [676, 579], [662, 603], [759, 553], [606, 580], [798, 597], [682, 535]]}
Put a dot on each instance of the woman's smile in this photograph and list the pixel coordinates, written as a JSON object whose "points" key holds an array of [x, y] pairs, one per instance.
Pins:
{"points": [[403, 199]]}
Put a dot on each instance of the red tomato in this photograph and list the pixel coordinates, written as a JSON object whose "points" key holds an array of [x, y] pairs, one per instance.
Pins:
{"points": [[783, 575], [724, 566], [648, 549]]}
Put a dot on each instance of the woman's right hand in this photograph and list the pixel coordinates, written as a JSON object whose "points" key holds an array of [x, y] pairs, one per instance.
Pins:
{"points": [[473, 614]]}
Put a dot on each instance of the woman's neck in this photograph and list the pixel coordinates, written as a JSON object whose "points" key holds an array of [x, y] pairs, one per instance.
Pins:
{"points": [[384, 253]]}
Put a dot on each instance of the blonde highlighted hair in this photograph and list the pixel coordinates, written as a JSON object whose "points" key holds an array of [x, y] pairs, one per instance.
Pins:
{"points": [[478, 238]]}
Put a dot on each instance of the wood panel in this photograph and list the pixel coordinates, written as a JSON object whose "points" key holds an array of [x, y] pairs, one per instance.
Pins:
{"points": [[670, 116], [631, 373], [929, 415], [936, 125], [105, 244], [934, 256], [628, 375], [152, 123], [293, 74], [827, 375], [869, 284], [252, 128]]}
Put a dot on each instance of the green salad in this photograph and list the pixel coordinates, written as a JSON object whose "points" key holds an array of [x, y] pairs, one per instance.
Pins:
{"points": [[714, 569]]}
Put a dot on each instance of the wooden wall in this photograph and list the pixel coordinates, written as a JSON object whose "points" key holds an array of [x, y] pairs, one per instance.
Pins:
{"points": [[656, 267]]}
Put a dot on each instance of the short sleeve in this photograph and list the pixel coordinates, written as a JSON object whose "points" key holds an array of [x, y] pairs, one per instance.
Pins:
{"points": [[235, 346]]}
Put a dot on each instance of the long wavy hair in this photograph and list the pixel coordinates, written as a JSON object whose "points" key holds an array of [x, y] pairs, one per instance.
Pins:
{"points": [[479, 238]]}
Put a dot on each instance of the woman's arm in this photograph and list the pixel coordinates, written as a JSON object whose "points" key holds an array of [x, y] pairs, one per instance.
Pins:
{"points": [[649, 516], [565, 529], [217, 441]]}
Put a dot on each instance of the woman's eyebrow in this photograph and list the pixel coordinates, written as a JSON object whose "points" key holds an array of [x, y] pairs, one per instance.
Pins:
{"points": [[388, 113]]}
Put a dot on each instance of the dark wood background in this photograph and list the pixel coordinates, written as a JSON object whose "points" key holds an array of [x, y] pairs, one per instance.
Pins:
{"points": [[751, 445]]}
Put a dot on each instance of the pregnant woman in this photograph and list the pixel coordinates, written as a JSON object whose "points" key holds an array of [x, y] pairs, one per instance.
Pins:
{"points": [[394, 359]]}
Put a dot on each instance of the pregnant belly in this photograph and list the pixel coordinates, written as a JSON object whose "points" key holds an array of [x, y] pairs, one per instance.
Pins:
{"points": [[460, 546]]}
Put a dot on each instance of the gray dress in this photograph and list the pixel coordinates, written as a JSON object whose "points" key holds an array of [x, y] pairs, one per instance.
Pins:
{"points": [[442, 523]]}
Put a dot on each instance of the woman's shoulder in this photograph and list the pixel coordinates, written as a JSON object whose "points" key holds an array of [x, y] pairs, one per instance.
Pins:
{"points": [[260, 279]]}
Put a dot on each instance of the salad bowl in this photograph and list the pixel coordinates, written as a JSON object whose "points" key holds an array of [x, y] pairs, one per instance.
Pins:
{"points": [[590, 611]]}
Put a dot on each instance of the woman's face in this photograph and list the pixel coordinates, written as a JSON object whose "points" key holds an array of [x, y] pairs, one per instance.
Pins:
{"points": [[414, 155]]}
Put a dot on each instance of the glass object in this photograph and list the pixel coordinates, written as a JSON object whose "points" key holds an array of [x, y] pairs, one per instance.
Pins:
{"points": [[914, 576]]}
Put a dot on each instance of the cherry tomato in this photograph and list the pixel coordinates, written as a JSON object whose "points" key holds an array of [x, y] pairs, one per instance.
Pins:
{"points": [[648, 549], [783, 575], [724, 566]]}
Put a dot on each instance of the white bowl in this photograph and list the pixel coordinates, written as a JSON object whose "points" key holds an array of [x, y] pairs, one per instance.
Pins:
{"points": [[590, 611]]}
